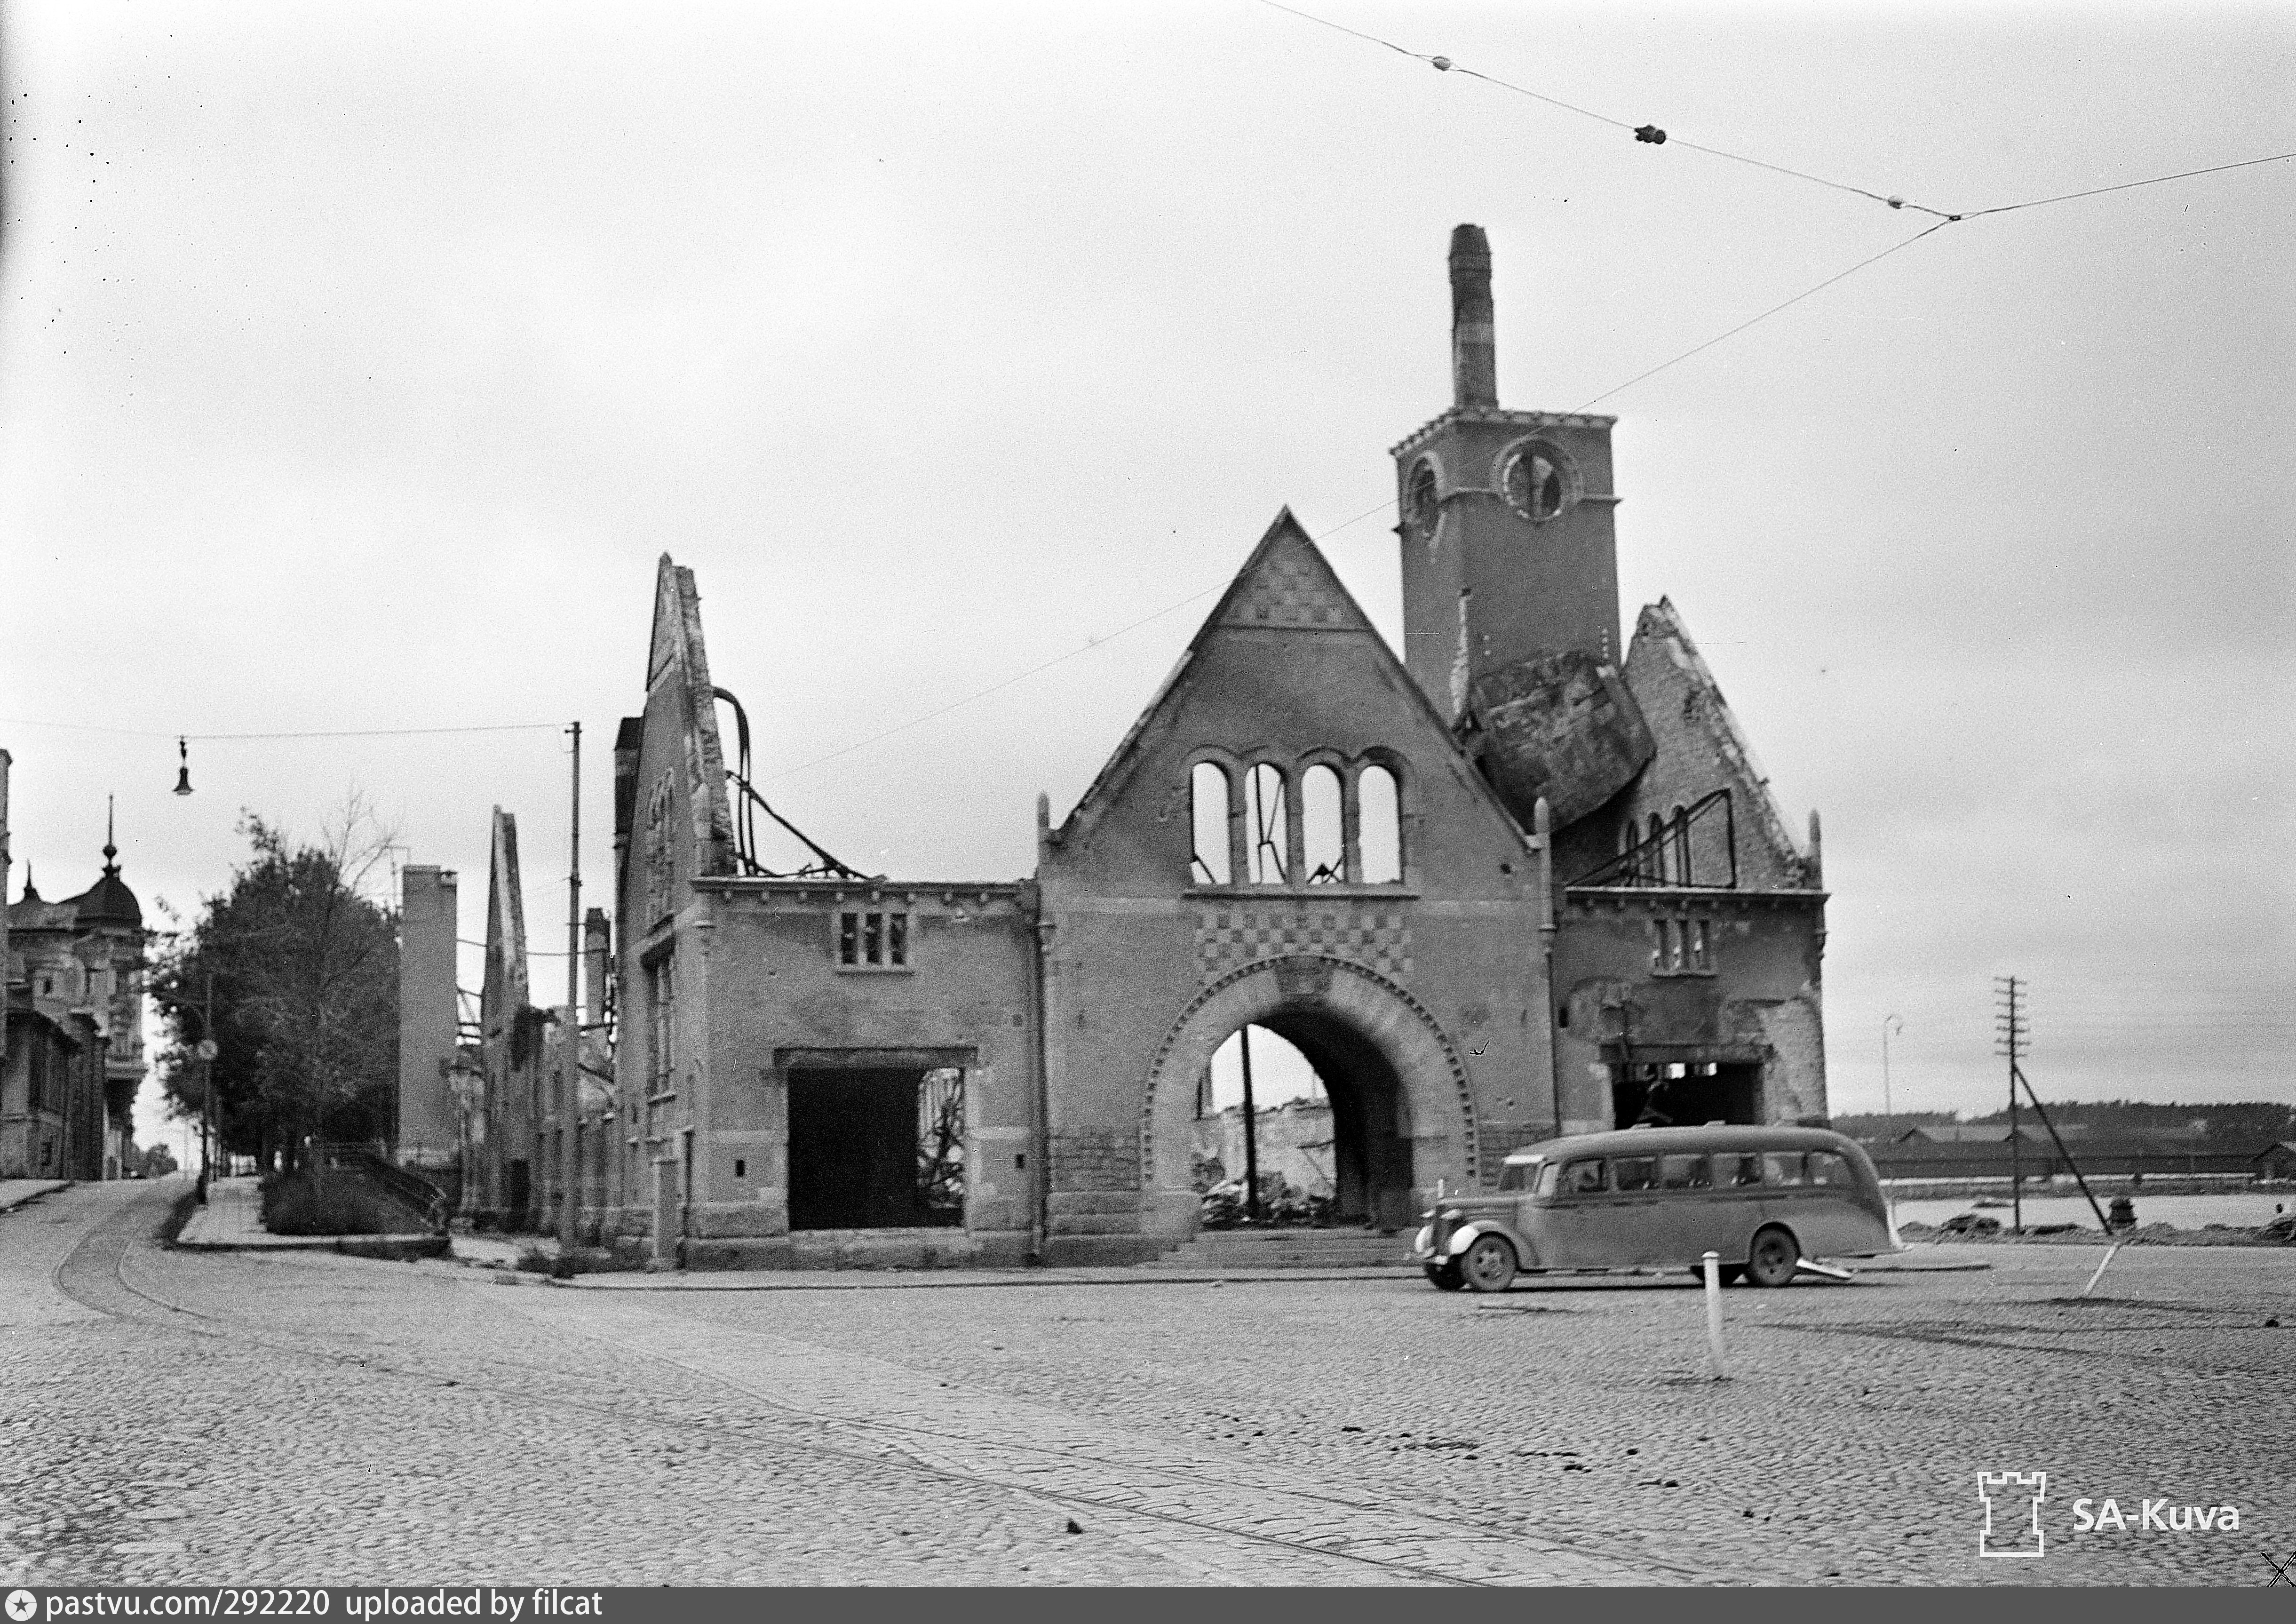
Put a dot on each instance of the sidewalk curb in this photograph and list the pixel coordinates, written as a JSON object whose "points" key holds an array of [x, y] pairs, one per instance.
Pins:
{"points": [[27, 1199]]}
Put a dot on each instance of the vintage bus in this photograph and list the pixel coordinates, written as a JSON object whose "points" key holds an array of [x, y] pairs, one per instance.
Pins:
{"points": [[1767, 1199]]}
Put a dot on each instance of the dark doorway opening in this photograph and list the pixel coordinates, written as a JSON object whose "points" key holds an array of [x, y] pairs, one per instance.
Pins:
{"points": [[521, 1188], [1335, 1154], [1688, 1094], [877, 1149]]}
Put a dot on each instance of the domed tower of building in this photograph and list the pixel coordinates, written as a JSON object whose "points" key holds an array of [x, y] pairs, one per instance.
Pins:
{"points": [[75, 1055]]}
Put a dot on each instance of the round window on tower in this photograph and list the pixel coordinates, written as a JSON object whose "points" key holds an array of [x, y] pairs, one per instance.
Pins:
{"points": [[1539, 481], [1420, 503]]}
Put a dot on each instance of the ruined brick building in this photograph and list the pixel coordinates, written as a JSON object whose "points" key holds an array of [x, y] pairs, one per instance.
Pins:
{"points": [[1504, 885]]}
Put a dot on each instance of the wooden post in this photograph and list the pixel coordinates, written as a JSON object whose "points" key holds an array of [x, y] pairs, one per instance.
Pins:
{"points": [[569, 1102], [1716, 1361], [1251, 1136]]}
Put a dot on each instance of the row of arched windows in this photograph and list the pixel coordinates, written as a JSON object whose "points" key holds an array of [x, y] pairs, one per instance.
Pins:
{"points": [[1344, 828], [1660, 848]]}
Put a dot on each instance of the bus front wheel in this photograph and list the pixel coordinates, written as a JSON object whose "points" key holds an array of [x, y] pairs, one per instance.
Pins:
{"points": [[1488, 1264], [1771, 1259]]}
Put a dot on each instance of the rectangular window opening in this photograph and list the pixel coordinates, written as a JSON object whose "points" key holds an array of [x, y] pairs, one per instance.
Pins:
{"points": [[872, 941]]}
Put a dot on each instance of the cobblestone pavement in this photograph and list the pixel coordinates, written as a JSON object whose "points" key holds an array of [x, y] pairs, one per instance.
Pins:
{"points": [[171, 1416]]}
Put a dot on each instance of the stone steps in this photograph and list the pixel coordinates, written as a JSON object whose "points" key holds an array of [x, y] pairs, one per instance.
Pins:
{"points": [[1252, 1249]]}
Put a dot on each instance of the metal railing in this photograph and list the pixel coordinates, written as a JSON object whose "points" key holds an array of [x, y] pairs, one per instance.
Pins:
{"points": [[1667, 859], [416, 1191]]}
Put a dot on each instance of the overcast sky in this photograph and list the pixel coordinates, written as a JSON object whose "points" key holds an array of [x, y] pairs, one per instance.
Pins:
{"points": [[357, 363]]}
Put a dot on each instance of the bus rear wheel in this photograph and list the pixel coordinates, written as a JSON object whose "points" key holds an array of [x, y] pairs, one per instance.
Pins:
{"points": [[1772, 1259], [1488, 1264], [1445, 1276]]}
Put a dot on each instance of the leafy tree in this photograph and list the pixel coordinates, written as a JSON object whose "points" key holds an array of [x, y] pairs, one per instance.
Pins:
{"points": [[305, 975], [157, 1161]]}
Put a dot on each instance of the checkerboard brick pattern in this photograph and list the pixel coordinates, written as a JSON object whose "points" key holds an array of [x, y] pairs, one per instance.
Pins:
{"points": [[1292, 589], [1375, 938]]}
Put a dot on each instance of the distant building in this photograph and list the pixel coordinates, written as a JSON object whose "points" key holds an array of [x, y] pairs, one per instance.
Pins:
{"points": [[2278, 1162], [1977, 1133], [427, 1122], [1982, 1150], [1293, 1140], [74, 1059]]}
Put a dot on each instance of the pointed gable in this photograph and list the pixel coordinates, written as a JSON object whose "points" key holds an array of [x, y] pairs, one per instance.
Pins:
{"points": [[1286, 667], [1287, 582]]}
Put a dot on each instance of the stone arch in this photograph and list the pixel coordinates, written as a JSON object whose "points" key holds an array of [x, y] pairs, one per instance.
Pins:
{"points": [[1393, 1070]]}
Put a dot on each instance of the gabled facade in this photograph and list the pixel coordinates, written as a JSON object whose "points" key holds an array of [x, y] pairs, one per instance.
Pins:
{"points": [[808, 1065], [1290, 838], [1687, 966]]}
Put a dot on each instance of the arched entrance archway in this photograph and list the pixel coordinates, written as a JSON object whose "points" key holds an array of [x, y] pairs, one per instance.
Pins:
{"points": [[1402, 1113]]}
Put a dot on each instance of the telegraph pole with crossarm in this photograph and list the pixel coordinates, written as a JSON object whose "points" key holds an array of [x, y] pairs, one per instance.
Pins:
{"points": [[2012, 1036]]}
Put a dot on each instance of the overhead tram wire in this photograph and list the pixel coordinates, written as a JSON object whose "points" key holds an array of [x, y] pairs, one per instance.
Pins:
{"points": [[1653, 135], [1648, 133], [337, 733], [1020, 676], [1765, 315]]}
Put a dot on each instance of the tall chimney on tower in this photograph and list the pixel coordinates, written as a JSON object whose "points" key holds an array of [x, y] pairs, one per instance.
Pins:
{"points": [[1474, 361]]}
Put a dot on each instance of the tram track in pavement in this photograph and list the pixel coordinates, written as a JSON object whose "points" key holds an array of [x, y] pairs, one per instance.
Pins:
{"points": [[96, 1273]]}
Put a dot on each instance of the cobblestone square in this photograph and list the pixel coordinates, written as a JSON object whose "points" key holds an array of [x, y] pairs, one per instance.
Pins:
{"points": [[179, 1417]]}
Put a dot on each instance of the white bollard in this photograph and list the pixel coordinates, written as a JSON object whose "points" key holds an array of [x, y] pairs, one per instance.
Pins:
{"points": [[1713, 1261], [2101, 1267]]}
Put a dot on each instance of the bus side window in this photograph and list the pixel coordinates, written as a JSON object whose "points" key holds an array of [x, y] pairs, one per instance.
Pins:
{"points": [[1682, 1172], [1781, 1167], [1584, 1178], [1827, 1168], [1741, 1171], [1635, 1173]]}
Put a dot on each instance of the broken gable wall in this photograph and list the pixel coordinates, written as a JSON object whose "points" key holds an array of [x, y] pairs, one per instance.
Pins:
{"points": [[678, 828], [1286, 671], [1700, 749], [1618, 995], [507, 1062], [760, 991]]}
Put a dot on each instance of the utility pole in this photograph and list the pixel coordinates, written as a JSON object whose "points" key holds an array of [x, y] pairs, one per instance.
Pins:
{"points": [[2010, 1034], [1889, 1112], [570, 1108], [206, 1051], [1251, 1136]]}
